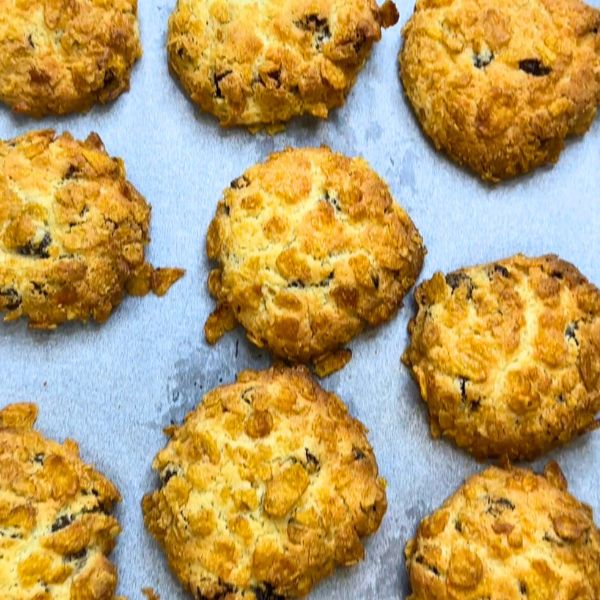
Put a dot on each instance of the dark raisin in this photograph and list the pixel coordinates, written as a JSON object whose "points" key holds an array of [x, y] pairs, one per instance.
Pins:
{"points": [[333, 201], [30, 41], [560, 399], [501, 270], [11, 297], [421, 561], [39, 458], [265, 592], [498, 505], [523, 588], [180, 52], [217, 78], [375, 280], [76, 555], [458, 526], [168, 474], [325, 282], [247, 395], [39, 250], [62, 522], [357, 453], [462, 382], [556, 274], [474, 405], [318, 26], [275, 76], [109, 78], [312, 462], [534, 66], [296, 284], [458, 278], [571, 332], [240, 182], [483, 59], [71, 172]]}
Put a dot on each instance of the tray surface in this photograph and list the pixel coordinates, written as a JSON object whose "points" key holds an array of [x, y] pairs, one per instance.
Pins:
{"points": [[114, 387]]}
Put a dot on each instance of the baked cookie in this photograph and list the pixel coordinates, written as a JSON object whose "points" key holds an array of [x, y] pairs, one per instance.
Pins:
{"points": [[56, 529], [507, 535], [267, 486], [62, 56], [499, 85], [507, 355], [311, 249], [265, 61], [72, 231]]}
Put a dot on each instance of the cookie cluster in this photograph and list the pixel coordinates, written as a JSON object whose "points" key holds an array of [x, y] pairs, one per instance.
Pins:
{"points": [[270, 483]]}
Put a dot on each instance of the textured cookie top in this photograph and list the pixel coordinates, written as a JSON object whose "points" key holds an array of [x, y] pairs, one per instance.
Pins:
{"points": [[507, 355], [311, 249], [55, 524], [72, 231], [62, 56], [267, 486], [507, 535], [265, 61], [499, 85]]}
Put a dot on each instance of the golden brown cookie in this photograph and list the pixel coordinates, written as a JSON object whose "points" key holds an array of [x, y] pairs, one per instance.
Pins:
{"points": [[311, 249], [62, 56], [72, 231], [56, 529], [267, 486], [265, 61], [499, 85], [507, 535], [507, 355]]}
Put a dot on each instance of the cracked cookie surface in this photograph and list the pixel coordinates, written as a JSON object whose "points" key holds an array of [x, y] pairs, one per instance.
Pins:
{"points": [[507, 534], [507, 355], [311, 249], [262, 62], [499, 86], [62, 56], [72, 231], [267, 486], [56, 527]]}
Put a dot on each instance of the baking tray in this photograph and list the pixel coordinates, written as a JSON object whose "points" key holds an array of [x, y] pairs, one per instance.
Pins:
{"points": [[114, 387]]}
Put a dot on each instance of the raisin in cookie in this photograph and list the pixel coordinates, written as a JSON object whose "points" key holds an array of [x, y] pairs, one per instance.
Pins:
{"points": [[507, 355], [267, 486], [72, 231], [499, 85], [266, 61], [62, 56], [311, 249], [56, 529], [507, 534]]}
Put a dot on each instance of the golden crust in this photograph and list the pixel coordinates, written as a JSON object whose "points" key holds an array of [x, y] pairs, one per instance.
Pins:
{"points": [[499, 86], [266, 61], [62, 56], [311, 249], [507, 355], [507, 535], [267, 486], [72, 231], [56, 529]]}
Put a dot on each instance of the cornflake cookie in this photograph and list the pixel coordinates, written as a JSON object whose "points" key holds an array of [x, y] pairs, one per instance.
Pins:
{"points": [[262, 62], [507, 355], [62, 56], [507, 535], [499, 85], [311, 249], [267, 486], [56, 529], [72, 231]]}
